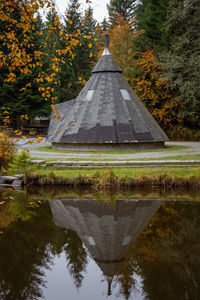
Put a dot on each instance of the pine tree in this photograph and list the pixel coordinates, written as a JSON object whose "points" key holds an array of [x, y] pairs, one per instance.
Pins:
{"points": [[151, 19], [88, 49], [104, 24], [84, 53], [73, 17], [183, 58], [123, 7]]}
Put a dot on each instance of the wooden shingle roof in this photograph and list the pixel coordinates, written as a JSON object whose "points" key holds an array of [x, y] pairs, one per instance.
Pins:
{"points": [[106, 111]]}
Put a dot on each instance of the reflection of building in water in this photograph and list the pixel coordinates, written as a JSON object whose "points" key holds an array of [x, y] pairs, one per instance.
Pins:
{"points": [[106, 231]]}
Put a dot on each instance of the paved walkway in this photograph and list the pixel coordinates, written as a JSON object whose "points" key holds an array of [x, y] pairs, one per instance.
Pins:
{"points": [[117, 163], [193, 148]]}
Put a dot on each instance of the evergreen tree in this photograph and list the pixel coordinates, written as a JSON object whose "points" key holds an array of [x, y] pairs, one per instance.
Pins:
{"points": [[123, 7], [73, 17], [151, 19], [104, 24], [51, 34], [76, 257], [183, 58], [88, 49], [84, 53]]}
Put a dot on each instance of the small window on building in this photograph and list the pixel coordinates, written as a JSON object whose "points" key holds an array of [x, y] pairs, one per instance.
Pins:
{"points": [[127, 240], [90, 94], [91, 241], [125, 94]]}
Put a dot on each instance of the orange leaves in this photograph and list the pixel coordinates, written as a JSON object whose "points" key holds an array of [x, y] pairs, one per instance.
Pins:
{"points": [[18, 132], [21, 54], [39, 139], [153, 89], [11, 77], [121, 38], [24, 117]]}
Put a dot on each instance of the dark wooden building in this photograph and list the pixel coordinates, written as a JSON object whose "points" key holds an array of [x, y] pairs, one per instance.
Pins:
{"points": [[106, 114]]}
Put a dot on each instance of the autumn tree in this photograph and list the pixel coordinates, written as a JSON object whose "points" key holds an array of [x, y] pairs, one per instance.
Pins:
{"points": [[167, 252], [121, 45], [154, 90], [22, 95]]}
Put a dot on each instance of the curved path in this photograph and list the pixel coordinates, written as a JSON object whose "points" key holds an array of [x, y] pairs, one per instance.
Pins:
{"points": [[193, 148]]}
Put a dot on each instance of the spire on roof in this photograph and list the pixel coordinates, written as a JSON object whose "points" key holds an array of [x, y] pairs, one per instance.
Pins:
{"points": [[106, 62], [109, 281], [106, 50], [107, 41]]}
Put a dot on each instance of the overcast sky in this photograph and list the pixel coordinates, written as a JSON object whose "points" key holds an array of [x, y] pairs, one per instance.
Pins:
{"points": [[99, 6]]}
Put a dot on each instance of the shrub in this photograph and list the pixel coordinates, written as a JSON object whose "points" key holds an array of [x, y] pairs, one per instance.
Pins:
{"points": [[179, 133], [22, 163], [7, 150]]}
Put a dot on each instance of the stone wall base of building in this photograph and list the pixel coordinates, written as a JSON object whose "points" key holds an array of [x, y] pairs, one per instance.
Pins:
{"points": [[108, 146]]}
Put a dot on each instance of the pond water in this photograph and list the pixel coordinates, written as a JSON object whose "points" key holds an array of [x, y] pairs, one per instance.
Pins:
{"points": [[59, 245]]}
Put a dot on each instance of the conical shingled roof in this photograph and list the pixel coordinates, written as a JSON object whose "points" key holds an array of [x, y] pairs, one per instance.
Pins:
{"points": [[106, 111], [106, 64]]}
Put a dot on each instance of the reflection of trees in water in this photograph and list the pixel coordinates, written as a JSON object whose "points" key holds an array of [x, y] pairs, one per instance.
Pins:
{"points": [[107, 232], [28, 244], [168, 253], [26, 249], [124, 280], [76, 257]]}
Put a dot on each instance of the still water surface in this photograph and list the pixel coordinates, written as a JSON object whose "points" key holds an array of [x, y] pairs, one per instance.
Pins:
{"points": [[62, 247]]}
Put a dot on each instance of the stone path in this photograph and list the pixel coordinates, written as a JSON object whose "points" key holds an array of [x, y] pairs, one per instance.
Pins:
{"points": [[193, 148], [122, 163]]}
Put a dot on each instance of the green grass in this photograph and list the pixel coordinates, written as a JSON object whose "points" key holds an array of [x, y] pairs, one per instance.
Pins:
{"points": [[122, 172], [167, 148]]}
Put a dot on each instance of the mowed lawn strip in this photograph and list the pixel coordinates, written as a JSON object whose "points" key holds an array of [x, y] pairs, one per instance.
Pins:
{"points": [[167, 148], [182, 172]]}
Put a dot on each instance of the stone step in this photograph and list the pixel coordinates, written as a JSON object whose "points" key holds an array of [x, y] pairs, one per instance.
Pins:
{"points": [[119, 163]]}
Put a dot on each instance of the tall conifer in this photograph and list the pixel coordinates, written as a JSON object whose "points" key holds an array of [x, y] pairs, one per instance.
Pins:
{"points": [[183, 57], [151, 19], [123, 7]]}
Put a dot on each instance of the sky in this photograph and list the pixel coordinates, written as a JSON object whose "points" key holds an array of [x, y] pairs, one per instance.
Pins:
{"points": [[99, 6]]}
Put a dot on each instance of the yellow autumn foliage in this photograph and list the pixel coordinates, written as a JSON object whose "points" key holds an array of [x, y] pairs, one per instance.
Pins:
{"points": [[7, 150]]}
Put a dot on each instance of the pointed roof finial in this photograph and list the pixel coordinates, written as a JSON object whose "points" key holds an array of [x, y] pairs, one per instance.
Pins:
{"points": [[107, 41], [106, 50], [109, 281]]}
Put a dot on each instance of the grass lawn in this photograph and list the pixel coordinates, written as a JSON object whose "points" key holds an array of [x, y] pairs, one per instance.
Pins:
{"points": [[167, 148], [122, 172]]}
